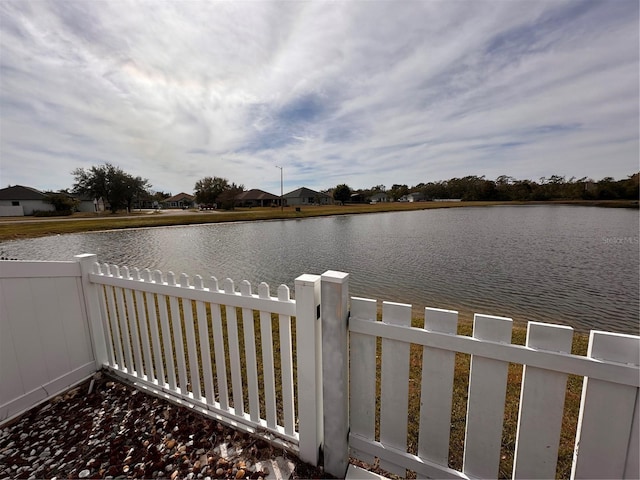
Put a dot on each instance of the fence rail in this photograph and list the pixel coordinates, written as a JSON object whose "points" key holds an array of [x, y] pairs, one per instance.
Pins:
{"points": [[320, 374]]}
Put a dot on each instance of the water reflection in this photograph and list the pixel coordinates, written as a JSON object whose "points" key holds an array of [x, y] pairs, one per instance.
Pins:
{"points": [[574, 265]]}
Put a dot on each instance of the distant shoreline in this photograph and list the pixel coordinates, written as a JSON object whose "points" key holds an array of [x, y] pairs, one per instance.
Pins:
{"points": [[15, 228]]}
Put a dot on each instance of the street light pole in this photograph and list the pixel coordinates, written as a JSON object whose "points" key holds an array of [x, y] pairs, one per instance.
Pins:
{"points": [[281, 205]]}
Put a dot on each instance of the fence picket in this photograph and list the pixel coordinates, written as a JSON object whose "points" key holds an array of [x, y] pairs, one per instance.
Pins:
{"points": [[178, 340], [250, 355], [362, 378], [541, 406], [286, 363], [112, 319], [102, 302], [166, 335], [436, 389], [394, 395], [205, 349], [124, 324], [144, 330], [485, 409], [266, 336], [150, 300], [234, 352], [219, 350], [133, 326], [594, 458], [192, 349]]}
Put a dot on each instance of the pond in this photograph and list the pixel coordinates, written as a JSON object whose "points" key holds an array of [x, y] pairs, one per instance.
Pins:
{"points": [[573, 265]]}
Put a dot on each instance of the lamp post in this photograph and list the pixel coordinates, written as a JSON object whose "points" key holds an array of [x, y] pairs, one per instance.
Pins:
{"points": [[281, 205]]}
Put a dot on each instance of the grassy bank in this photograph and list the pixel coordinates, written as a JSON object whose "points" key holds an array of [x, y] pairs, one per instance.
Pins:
{"points": [[29, 227]]}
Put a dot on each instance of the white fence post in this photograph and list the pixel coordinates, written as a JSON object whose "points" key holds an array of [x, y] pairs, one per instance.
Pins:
{"points": [[608, 414], [92, 306], [309, 357], [335, 371]]}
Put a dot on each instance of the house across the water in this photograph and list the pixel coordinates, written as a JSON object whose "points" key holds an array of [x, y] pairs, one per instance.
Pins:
{"points": [[306, 196]]}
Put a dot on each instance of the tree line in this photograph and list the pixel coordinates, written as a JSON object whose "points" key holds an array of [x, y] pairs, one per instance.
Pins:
{"points": [[120, 189], [505, 188]]}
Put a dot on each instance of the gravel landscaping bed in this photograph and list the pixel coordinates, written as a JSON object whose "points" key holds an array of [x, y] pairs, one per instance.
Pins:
{"points": [[116, 431]]}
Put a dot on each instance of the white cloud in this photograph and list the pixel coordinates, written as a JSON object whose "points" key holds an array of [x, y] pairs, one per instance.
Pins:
{"points": [[357, 92]]}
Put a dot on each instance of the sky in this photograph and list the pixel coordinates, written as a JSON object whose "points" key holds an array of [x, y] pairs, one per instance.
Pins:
{"points": [[358, 92]]}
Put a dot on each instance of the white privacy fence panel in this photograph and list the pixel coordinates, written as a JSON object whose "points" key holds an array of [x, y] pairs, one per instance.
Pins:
{"points": [[45, 342], [607, 437], [229, 353]]}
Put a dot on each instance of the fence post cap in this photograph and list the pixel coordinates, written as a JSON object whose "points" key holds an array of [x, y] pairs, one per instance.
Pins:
{"points": [[307, 278], [334, 276]]}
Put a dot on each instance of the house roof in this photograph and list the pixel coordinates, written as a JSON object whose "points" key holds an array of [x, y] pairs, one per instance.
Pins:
{"points": [[180, 196], [19, 192], [304, 192], [256, 194]]}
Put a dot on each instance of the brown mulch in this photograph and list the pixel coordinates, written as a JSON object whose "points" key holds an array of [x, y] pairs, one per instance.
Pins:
{"points": [[117, 431]]}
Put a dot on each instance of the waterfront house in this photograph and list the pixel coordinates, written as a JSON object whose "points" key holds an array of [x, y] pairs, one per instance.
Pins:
{"points": [[18, 200], [412, 197], [256, 198], [306, 196], [181, 200], [379, 197]]}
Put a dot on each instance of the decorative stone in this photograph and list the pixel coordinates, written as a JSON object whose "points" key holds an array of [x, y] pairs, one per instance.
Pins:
{"points": [[84, 473]]}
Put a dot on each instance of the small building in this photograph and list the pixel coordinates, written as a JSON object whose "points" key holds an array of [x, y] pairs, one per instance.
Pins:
{"points": [[181, 200], [306, 196], [379, 197], [357, 198], [88, 204], [18, 200], [412, 197], [257, 198]]}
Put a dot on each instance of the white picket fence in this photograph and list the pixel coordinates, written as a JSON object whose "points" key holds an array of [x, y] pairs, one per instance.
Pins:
{"points": [[168, 337], [304, 374], [607, 436]]}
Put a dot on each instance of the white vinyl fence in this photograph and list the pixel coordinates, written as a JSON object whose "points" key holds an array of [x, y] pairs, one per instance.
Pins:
{"points": [[607, 433], [209, 347], [318, 374], [45, 342]]}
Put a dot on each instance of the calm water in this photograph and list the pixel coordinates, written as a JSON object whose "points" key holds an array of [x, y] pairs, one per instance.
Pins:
{"points": [[573, 265]]}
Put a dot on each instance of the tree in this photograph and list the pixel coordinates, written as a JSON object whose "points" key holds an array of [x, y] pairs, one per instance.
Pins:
{"points": [[208, 189], [63, 202], [342, 193], [398, 191], [110, 183], [158, 197], [227, 197]]}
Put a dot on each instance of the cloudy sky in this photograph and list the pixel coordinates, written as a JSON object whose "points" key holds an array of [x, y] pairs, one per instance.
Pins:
{"points": [[363, 93]]}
